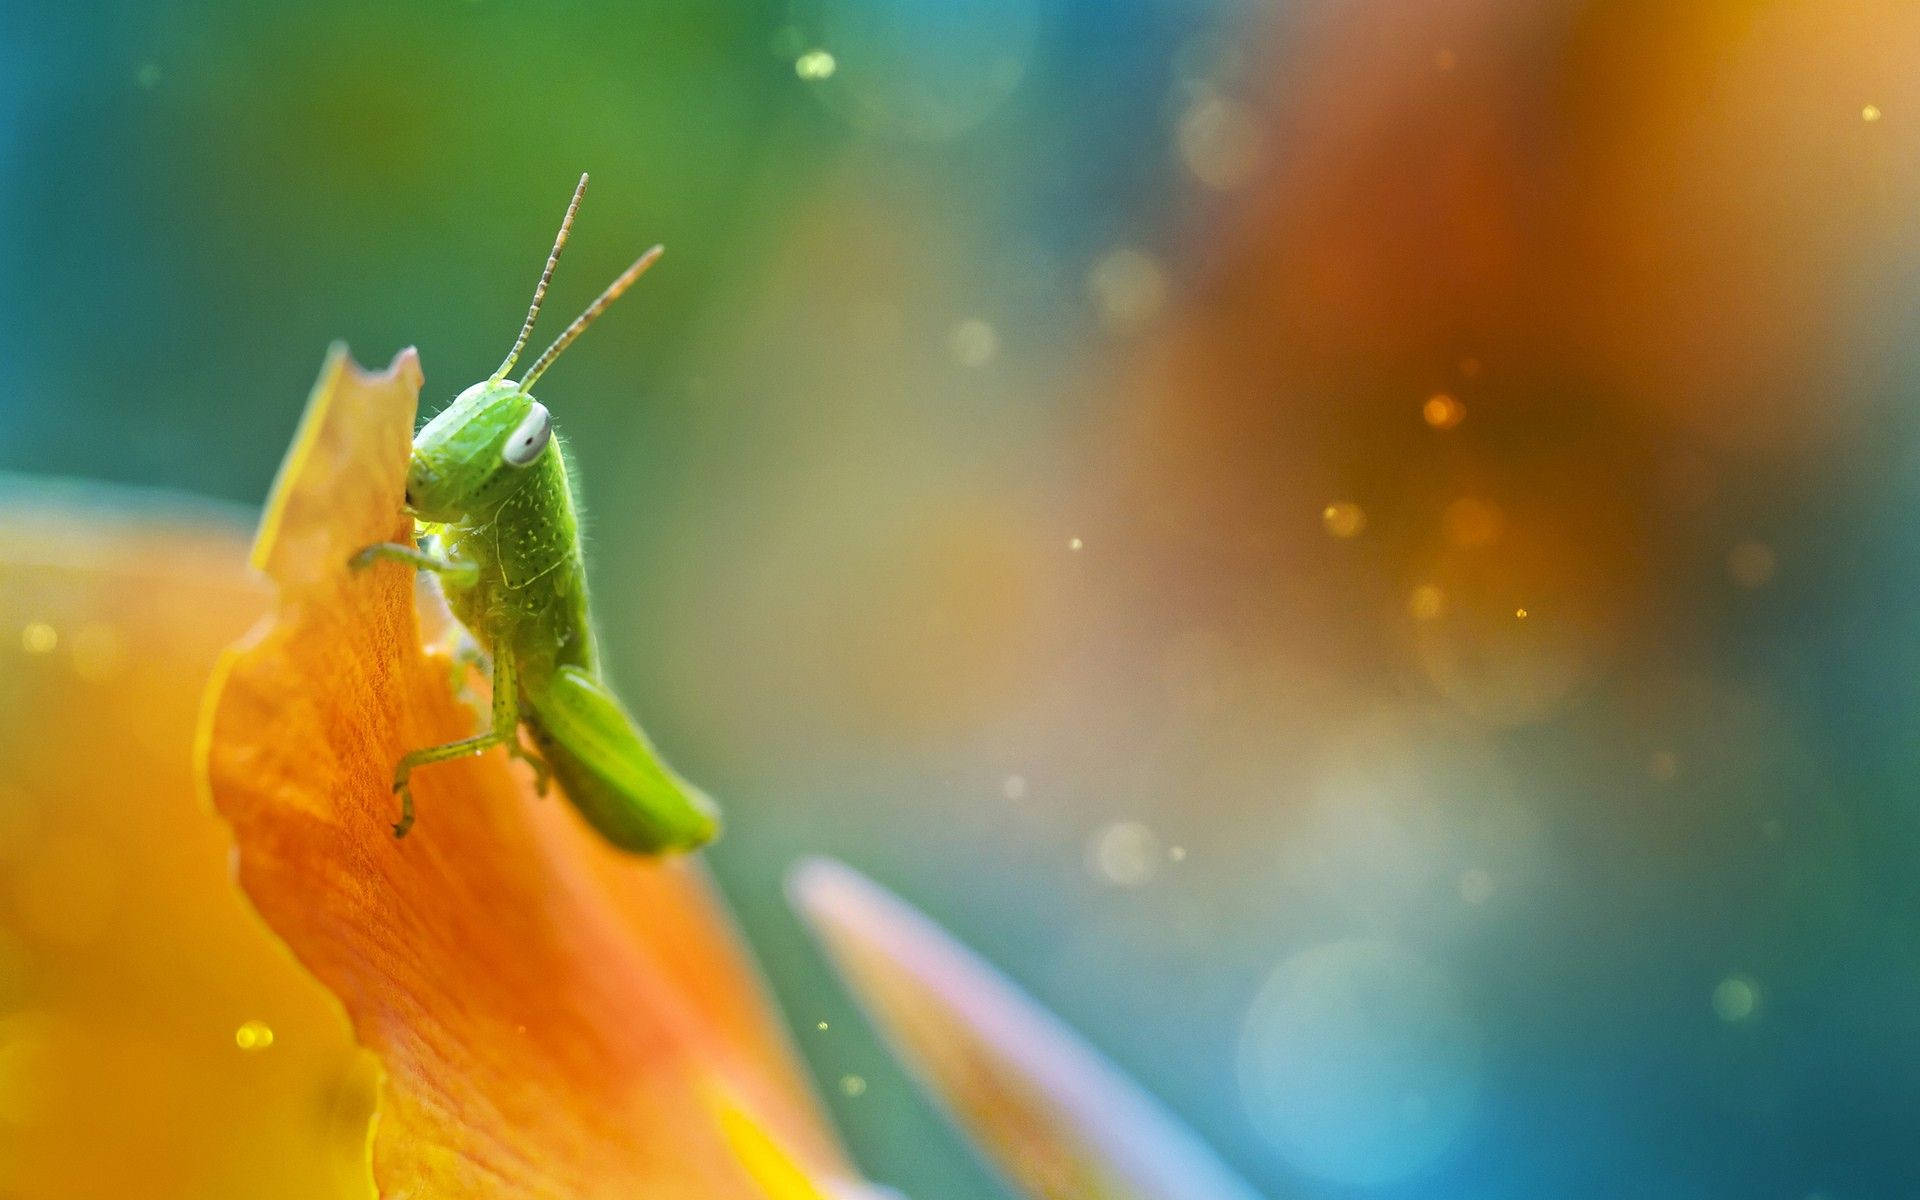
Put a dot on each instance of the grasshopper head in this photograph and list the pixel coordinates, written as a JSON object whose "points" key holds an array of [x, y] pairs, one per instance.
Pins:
{"points": [[476, 452]]}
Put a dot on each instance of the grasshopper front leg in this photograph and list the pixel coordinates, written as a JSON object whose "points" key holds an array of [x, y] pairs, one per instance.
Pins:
{"points": [[462, 651], [456, 572], [505, 727]]}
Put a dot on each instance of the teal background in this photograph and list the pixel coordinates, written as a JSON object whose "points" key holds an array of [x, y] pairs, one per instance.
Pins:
{"points": [[1620, 900]]}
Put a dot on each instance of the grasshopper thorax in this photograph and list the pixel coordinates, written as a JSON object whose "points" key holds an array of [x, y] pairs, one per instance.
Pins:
{"points": [[476, 452]]}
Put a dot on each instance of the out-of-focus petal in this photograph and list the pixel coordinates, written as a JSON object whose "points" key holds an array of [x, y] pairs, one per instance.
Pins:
{"points": [[129, 964], [772, 1168], [1041, 1104], [551, 1015]]}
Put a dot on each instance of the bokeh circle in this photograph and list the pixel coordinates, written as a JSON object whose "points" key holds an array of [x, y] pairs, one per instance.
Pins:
{"points": [[1359, 1063]]}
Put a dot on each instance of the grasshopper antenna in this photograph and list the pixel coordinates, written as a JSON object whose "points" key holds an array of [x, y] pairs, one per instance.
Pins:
{"points": [[580, 323], [546, 276]]}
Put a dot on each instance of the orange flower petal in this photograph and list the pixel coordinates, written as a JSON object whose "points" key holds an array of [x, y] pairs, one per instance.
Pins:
{"points": [[552, 1015], [1042, 1105], [128, 961]]}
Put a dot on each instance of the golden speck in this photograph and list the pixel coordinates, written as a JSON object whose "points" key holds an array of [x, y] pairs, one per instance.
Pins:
{"points": [[1472, 524], [1870, 113], [1664, 766], [1751, 564], [254, 1035], [1736, 998], [1442, 411], [821, 1025], [39, 638], [973, 343], [815, 65], [1074, 543], [1343, 519], [1520, 614], [1426, 603], [97, 653], [852, 1085]]}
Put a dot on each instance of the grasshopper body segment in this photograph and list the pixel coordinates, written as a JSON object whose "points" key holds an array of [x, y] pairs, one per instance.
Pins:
{"points": [[488, 481], [611, 772]]}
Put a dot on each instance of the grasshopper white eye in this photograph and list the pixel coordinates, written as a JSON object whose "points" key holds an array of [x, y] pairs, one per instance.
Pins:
{"points": [[529, 439]]}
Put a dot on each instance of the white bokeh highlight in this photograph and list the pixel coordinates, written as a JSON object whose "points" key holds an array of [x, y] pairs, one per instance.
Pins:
{"points": [[1359, 1063]]}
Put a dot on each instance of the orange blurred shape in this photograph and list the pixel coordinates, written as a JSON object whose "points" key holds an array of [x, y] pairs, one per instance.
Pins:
{"points": [[1343, 519], [554, 1017], [1737, 208], [1442, 411], [128, 962], [1512, 616]]}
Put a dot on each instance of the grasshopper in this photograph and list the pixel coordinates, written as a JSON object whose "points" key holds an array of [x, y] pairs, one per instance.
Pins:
{"points": [[488, 488]]}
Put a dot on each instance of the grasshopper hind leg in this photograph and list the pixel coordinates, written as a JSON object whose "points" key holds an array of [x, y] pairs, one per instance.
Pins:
{"points": [[402, 775], [504, 731]]}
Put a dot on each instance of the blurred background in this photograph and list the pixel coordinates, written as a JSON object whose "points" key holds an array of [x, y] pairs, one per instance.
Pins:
{"points": [[1363, 550]]}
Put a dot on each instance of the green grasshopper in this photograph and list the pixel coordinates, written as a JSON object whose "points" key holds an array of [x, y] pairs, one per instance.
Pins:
{"points": [[487, 485]]}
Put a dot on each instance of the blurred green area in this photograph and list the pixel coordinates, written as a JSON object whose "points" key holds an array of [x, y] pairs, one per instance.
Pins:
{"points": [[200, 197]]}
